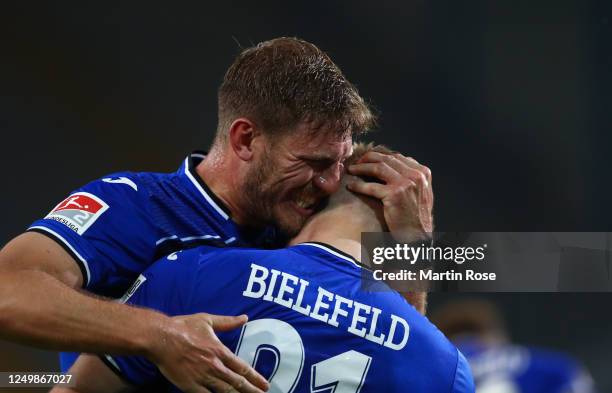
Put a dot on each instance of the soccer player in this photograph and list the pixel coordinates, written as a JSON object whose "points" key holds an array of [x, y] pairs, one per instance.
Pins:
{"points": [[477, 328], [286, 120], [312, 327]]}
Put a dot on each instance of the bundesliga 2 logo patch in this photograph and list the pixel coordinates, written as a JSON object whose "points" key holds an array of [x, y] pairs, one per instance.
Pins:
{"points": [[79, 211]]}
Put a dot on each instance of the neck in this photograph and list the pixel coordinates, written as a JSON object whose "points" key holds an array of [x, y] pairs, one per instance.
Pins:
{"points": [[218, 172], [340, 227]]}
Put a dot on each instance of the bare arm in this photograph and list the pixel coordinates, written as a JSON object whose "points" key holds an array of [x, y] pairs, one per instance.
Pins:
{"points": [[40, 305], [91, 375]]}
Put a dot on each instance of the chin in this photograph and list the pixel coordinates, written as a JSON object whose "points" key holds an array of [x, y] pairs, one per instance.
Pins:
{"points": [[289, 226], [289, 231]]}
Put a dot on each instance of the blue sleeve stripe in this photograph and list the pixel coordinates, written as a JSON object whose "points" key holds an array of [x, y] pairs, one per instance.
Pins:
{"points": [[81, 262]]}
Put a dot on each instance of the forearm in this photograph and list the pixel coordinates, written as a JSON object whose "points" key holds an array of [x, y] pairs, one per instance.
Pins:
{"points": [[90, 375], [37, 309]]}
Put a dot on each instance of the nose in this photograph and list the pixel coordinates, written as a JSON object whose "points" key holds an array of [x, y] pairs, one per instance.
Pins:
{"points": [[328, 180]]}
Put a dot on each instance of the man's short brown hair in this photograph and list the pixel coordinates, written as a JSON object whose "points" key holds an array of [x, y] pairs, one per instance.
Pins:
{"points": [[285, 81]]}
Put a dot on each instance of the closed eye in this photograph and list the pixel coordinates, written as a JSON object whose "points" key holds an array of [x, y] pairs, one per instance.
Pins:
{"points": [[320, 164]]}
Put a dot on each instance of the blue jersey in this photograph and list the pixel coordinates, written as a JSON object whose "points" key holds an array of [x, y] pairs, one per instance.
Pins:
{"points": [[518, 369], [311, 325], [117, 226]]}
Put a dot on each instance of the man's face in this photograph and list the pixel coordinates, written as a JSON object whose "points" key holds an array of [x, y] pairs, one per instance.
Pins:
{"points": [[290, 180]]}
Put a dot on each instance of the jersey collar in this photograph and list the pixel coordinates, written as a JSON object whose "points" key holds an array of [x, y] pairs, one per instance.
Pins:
{"points": [[334, 251], [188, 168]]}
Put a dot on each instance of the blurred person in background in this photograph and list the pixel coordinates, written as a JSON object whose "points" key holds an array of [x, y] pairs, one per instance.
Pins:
{"points": [[499, 366]]}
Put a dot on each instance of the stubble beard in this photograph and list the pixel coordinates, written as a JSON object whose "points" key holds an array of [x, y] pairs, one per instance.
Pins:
{"points": [[260, 195], [260, 198]]}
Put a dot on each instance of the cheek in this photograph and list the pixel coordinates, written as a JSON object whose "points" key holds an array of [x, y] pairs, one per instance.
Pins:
{"points": [[296, 177]]}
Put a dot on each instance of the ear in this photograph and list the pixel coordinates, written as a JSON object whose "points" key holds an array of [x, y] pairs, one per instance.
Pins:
{"points": [[242, 135]]}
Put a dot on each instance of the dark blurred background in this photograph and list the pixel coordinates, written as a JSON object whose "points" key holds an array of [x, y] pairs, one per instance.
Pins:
{"points": [[508, 102]]}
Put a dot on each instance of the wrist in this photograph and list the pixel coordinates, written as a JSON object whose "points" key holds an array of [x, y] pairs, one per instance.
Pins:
{"points": [[154, 336], [413, 237]]}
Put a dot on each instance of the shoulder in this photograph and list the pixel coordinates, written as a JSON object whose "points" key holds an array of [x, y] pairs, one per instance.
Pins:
{"points": [[206, 256], [130, 183], [440, 363], [130, 189], [424, 336], [120, 186], [124, 182], [111, 202], [235, 256], [464, 380], [436, 339], [435, 348], [218, 266]]}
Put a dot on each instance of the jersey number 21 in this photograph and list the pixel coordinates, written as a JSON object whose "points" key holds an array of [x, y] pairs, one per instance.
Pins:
{"points": [[343, 373]]}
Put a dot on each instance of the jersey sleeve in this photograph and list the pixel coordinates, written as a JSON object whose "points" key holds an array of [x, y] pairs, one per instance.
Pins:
{"points": [[166, 287], [463, 381], [105, 227]]}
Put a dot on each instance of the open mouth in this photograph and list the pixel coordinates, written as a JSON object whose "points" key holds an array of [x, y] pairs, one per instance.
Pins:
{"points": [[308, 200], [306, 206], [305, 210]]}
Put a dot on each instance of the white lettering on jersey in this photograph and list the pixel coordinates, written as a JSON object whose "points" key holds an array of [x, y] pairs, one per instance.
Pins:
{"points": [[284, 288], [338, 311], [371, 334], [362, 318], [121, 180], [361, 332], [256, 279], [395, 321], [297, 306]]}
